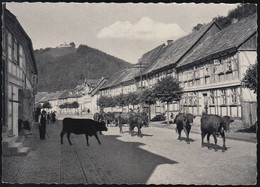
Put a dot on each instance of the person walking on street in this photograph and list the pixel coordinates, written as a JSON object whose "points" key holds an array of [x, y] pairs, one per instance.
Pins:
{"points": [[48, 118], [53, 117], [42, 125], [172, 116]]}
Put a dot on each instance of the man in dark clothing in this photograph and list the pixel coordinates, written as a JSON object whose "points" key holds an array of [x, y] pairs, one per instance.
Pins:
{"points": [[53, 117], [42, 125]]}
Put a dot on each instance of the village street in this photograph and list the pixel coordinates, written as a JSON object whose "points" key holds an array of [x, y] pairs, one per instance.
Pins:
{"points": [[156, 158]]}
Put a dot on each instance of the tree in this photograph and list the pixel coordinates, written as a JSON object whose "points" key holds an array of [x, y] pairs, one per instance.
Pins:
{"points": [[103, 101], [75, 104], [131, 99], [250, 79], [120, 100], [197, 27], [168, 90], [147, 97], [46, 105], [240, 12], [72, 44]]}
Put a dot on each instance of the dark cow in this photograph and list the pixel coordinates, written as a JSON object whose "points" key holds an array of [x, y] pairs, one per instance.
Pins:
{"points": [[145, 117], [131, 118], [138, 121], [109, 118], [120, 119], [88, 127], [184, 121], [215, 125]]}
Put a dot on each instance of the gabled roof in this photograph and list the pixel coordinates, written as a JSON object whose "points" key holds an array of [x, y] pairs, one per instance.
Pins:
{"points": [[55, 95], [101, 82], [115, 79], [91, 82], [228, 38], [122, 76], [150, 56], [47, 97], [64, 95], [39, 96], [177, 49]]}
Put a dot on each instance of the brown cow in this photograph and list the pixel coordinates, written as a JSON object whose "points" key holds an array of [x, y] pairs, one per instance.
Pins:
{"points": [[214, 124]]}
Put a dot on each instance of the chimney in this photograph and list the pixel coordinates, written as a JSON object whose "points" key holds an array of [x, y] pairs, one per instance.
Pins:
{"points": [[169, 42]]}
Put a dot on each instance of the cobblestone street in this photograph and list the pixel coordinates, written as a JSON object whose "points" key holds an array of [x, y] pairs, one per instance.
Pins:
{"points": [[156, 158]]}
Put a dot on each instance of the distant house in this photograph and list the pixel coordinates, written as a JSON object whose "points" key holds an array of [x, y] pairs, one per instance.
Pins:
{"points": [[84, 94], [64, 45]]}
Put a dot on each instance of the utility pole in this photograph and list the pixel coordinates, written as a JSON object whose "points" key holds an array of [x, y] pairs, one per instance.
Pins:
{"points": [[141, 79]]}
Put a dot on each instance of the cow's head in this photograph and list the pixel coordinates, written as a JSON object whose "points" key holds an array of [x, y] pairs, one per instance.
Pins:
{"points": [[102, 126], [190, 118], [225, 121]]}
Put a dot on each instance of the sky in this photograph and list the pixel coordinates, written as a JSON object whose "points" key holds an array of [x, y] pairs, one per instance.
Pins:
{"points": [[124, 30]]}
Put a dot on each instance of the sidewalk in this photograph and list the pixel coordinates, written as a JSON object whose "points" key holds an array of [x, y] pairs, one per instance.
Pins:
{"points": [[240, 136]]}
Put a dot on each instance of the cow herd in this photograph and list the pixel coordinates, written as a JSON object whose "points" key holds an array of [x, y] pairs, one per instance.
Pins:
{"points": [[210, 125]]}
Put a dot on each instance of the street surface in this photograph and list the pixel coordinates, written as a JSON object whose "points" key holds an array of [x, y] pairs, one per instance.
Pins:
{"points": [[156, 158]]}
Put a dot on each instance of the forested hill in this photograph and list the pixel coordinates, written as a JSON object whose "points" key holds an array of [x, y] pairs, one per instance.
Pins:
{"points": [[240, 12], [65, 67]]}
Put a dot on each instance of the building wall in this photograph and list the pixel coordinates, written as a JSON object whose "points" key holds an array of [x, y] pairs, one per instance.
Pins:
{"points": [[19, 78]]}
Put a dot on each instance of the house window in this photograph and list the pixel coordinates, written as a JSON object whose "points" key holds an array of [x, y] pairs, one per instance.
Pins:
{"points": [[223, 97], [10, 47], [212, 97], [21, 57], [3, 40], [15, 51], [233, 95], [229, 66]]}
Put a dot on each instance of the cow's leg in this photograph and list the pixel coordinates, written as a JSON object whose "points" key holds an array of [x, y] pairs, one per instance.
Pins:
{"points": [[100, 132], [68, 136], [132, 129], [203, 134], [186, 130], [215, 139], [95, 134], [208, 136], [120, 127], [224, 140], [139, 131], [61, 136], [87, 139], [179, 132]]}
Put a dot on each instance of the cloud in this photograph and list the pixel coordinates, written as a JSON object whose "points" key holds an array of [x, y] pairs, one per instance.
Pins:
{"points": [[144, 29]]}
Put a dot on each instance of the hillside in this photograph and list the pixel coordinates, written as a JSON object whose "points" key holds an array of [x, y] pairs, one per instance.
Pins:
{"points": [[64, 68]]}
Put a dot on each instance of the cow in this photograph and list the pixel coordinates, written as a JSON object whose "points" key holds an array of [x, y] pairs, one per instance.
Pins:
{"points": [[131, 118], [184, 121], [136, 120], [98, 116], [145, 116], [120, 119], [215, 125], [88, 127], [109, 118]]}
